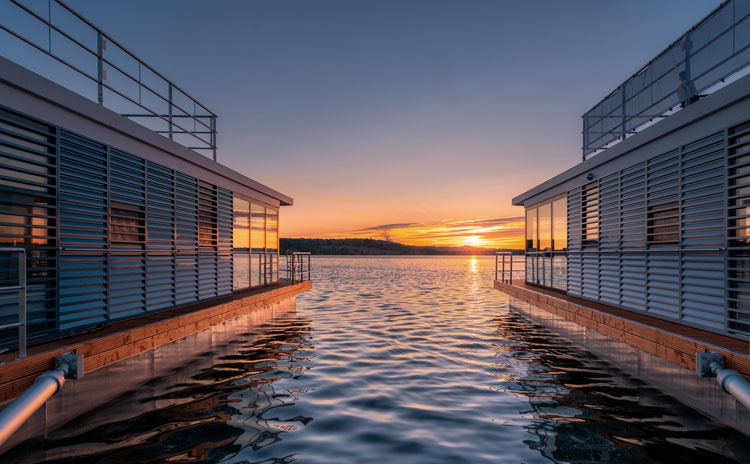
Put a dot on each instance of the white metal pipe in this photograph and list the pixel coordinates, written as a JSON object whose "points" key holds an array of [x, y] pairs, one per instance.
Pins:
{"points": [[44, 387], [733, 383]]}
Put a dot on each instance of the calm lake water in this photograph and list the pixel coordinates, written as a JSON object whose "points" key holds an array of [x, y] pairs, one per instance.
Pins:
{"points": [[400, 360]]}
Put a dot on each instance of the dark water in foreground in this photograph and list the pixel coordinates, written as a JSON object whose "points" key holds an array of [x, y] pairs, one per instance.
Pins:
{"points": [[403, 360]]}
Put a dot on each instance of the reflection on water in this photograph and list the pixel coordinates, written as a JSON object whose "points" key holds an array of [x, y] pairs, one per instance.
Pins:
{"points": [[395, 360]]}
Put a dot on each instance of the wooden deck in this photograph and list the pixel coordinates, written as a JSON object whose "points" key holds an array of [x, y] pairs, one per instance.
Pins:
{"points": [[668, 340], [129, 337]]}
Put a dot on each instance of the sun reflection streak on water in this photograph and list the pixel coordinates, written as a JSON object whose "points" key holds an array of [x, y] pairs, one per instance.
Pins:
{"points": [[408, 360]]}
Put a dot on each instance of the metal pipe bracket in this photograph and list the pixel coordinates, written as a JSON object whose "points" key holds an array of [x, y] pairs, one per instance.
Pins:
{"points": [[74, 365], [703, 363]]}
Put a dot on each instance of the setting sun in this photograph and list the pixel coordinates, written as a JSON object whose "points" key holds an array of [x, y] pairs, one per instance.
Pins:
{"points": [[473, 240]]}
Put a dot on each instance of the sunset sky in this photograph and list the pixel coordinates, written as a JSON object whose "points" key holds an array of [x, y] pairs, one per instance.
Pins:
{"points": [[412, 121]]}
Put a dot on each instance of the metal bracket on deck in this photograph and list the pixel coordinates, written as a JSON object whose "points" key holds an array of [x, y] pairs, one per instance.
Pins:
{"points": [[703, 363], [74, 363]]}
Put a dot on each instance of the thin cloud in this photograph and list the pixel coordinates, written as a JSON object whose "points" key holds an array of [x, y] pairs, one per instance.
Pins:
{"points": [[492, 232], [490, 222], [389, 227]]}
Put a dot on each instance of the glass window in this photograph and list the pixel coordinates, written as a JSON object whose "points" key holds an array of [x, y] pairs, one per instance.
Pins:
{"points": [[560, 224], [127, 224], [545, 226], [590, 214], [241, 244], [207, 218], [531, 237], [664, 223], [272, 230], [257, 244], [272, 242]]}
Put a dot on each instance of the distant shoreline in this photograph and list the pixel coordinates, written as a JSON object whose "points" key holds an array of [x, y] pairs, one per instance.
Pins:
{"points": [[371, 247]]}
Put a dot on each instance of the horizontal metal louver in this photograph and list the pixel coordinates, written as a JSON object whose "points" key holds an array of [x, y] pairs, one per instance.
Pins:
{"points": [[574, 242], [224, 248], [702, 209], [127, 232], [186, 239], [651, 237], [207, 241], [662, 269], [109, 235], [160, 244], [632, 236], [83, 232], [609, 239], [28, 191], [738, 230]]}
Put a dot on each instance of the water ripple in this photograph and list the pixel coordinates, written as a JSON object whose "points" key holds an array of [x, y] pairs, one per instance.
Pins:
{"points": [[400, 360]]}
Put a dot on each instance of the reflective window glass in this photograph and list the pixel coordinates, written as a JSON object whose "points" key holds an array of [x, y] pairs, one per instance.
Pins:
{"points": [[241, 244], [545, 226], [560, 224], [531, 237]]}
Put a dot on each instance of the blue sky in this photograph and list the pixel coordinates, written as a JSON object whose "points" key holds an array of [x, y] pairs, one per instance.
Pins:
{"points": [[391, 112]]}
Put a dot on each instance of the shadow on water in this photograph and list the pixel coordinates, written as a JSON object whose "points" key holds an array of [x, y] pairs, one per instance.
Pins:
{"points": [[224, 402], [395, 360], [587, 411]]}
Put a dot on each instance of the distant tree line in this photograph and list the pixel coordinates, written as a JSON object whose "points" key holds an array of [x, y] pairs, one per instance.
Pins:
{"points": [[368, 246]]}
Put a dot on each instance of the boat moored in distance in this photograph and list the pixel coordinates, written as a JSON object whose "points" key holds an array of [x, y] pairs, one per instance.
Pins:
{"points": [[641, 252], [120, 233]]}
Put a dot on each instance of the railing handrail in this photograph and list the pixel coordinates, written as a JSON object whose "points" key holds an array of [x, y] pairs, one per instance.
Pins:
{"points": [[21, 289], [500, 271], [199, 111], [298, 269]]}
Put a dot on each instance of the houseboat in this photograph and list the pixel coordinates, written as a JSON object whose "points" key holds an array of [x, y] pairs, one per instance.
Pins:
{"points": [[125, 247], [641, 251]]}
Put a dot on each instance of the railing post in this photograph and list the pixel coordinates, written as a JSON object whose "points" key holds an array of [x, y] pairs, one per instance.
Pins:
{"points": [[170, 112], [213, 135], [22, 304], [100, 67], [510, 275], [624, 115], [585, 137]]}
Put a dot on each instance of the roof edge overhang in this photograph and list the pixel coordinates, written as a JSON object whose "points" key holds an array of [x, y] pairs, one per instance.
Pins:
{"points": [[713, 103], [28, 82]]}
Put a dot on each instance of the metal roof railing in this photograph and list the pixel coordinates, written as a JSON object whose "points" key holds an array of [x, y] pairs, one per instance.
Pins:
{"points": [[709, 56], [124, 83]]}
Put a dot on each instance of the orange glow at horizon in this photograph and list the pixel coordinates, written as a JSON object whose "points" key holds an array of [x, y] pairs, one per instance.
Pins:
{"points": [[474, 240], [485, 233]]}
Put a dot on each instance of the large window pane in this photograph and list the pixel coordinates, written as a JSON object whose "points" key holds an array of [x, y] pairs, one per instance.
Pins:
{"points": [[545, 227], [560, 224], [531, 237], [241, 244], [272, 229], [258, 244], [272, 242], [560, 242]]}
